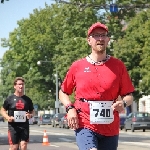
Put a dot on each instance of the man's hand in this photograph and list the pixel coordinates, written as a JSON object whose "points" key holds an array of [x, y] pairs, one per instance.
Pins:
{"points": [[28, 115], [118, 105], [72, 118], [10, 119]]}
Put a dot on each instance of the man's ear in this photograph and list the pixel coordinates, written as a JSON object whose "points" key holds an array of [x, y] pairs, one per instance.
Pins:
{"points": [[88, 40], [108, 39]]}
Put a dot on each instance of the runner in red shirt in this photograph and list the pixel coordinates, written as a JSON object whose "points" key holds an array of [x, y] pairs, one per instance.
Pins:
{"points": [[102, 89]]}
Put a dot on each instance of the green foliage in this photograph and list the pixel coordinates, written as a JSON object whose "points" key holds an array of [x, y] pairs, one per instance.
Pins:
{"points": [[133, 49], [57, 35]]}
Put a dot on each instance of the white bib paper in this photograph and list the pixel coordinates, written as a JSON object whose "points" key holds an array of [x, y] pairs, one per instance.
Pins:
{"points": [[19, 116], [101, 112]]}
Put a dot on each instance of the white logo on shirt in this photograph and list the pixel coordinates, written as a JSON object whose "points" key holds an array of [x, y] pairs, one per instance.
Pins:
{"points": [[87, 69]]}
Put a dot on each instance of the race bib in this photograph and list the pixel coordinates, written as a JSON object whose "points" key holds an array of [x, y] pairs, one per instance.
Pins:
{"points": [[19, 116], [101, 112]]}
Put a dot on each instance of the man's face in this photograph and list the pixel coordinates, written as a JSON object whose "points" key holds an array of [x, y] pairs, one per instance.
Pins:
{"points": [[98, 40], [19, 87]]}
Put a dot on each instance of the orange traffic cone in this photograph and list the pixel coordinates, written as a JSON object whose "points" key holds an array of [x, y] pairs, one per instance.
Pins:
{"points": [[45, 139]]}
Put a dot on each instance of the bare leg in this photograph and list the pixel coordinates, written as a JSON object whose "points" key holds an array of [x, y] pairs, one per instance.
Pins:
{"points": [[23, 145], [13, 147]]}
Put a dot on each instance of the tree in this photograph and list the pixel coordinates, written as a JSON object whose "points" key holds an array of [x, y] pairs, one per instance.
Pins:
{"points": [[133, 49], [52, 34], [56, 34]]}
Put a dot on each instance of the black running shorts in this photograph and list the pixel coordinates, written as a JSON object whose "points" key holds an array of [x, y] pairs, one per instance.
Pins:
{"points": [[18, 133]]}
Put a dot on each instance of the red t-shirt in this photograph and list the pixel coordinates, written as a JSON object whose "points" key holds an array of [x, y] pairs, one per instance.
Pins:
{"points": [[100, 83]]}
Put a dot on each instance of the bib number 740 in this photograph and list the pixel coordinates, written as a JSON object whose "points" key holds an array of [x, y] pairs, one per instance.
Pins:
{"points": [[102, 112]]}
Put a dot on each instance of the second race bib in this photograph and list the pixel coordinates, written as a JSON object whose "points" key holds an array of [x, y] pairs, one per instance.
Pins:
{"points": [[19, 116]]}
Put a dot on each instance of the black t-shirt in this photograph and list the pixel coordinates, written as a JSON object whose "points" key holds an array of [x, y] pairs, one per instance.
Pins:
{"points": [[15, 103]]}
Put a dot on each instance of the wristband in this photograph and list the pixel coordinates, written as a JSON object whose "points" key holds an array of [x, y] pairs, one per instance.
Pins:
{"points": [[124, 103], [70, 104], [69, 107]]}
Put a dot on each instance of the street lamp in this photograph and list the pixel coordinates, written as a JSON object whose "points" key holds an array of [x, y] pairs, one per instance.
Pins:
{"points": [[56, 76], [56, 102]]}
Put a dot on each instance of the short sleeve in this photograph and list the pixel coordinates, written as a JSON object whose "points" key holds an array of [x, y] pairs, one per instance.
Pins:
{"points": [[126, 85], [69, 83], [31, 108], [6, 104]]}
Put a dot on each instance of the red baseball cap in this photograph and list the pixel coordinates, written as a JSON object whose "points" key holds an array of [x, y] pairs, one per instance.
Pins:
{"points": [[97, 25]]}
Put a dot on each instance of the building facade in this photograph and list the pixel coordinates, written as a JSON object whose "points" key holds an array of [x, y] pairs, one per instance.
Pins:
{"points": [[144, 104]]}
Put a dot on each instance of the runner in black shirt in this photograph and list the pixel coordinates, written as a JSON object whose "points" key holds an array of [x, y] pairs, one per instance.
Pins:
{"points": [[20, 110]]}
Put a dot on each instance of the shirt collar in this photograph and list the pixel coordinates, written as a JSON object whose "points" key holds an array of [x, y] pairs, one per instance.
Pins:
{"points": [[99, 62]]}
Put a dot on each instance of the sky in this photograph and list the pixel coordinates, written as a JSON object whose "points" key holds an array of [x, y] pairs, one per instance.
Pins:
{"points": [[14, 10]]}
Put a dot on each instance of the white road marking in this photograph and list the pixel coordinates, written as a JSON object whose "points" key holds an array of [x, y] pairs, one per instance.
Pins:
{"points": [[65, 139], [54, 145], [135, 133], [135, 143], [53, 133], [68, 140]]}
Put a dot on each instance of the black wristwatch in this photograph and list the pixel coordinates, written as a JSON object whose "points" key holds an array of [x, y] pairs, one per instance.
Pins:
{"points": [[124, 103], [69, 107]]}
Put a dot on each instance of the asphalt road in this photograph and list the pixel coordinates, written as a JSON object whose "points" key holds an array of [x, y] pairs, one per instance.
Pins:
{"points": [[62, 139]]}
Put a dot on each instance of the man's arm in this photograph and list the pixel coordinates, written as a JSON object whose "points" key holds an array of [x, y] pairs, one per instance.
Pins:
{"points": [[122, 101], [72, 116], [128, 99], [64, 98], [5, 115], [32, 113]]}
